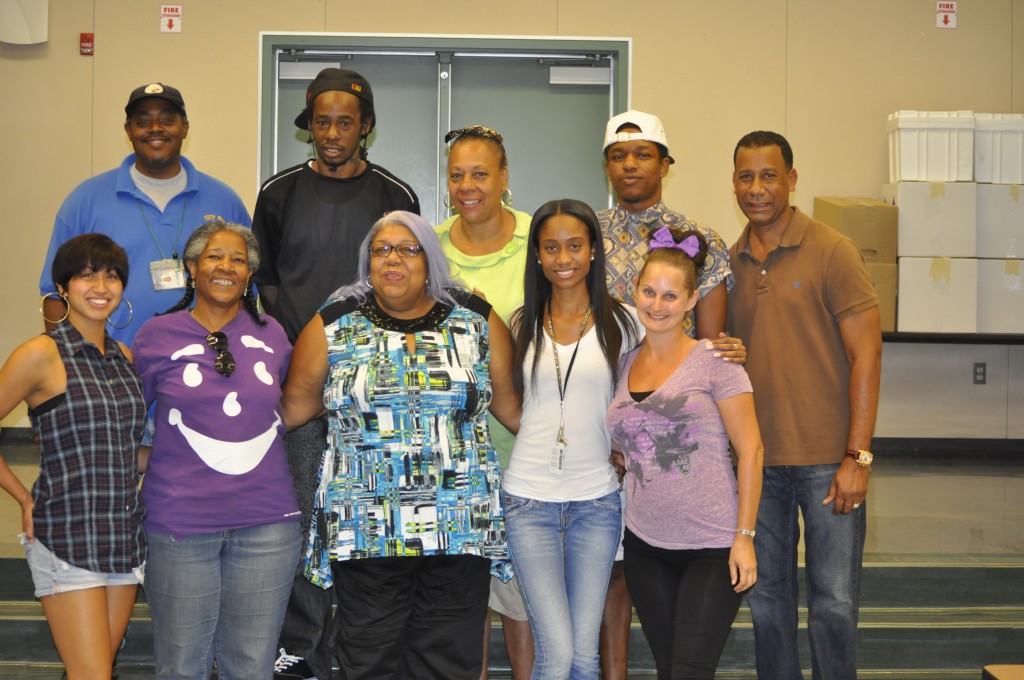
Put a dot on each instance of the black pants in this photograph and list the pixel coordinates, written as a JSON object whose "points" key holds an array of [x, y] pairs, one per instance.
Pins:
{"points": [[686, 605], [307, 628], [411, 617]]}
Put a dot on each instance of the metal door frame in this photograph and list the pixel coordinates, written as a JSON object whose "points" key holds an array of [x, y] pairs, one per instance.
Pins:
{"points": [[318, 46]]}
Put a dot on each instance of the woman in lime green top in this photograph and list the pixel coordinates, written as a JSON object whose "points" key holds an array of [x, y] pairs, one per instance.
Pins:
{"points": [[485, 242]]}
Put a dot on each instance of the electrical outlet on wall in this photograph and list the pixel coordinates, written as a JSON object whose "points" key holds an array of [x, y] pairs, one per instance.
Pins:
{"points": [[980, 373]]}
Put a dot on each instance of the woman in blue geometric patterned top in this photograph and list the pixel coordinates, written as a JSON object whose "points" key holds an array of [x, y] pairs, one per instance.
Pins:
{"points": [[407, 516]]}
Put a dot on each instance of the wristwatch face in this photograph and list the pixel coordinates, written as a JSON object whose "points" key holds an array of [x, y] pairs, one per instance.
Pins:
{"points": [[861, 457]]}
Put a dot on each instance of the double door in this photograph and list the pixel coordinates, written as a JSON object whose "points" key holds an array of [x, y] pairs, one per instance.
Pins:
{"points": [[550, 98]]}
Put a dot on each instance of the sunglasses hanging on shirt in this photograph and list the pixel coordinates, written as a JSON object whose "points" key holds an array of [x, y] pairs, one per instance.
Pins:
{"points": [[224, 364]]}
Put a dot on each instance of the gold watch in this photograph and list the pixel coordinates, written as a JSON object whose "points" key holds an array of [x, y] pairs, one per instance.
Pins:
{"points": [[861, 457]]}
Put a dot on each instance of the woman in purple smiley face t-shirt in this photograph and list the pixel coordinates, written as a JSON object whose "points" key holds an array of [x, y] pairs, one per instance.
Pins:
{"points": [[223, 521]]}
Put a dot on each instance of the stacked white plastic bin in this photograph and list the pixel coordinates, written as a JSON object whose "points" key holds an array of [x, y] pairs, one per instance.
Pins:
{"points": [[931, 172], [931, 146], [999, 171]]}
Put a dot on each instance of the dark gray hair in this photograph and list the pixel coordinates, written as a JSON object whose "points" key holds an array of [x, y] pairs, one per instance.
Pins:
{"points": [[195, 246], [196, 243]]}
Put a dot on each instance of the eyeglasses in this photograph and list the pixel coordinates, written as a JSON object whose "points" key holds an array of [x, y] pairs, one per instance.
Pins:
{"points": [[225, 362], [475, 131], [404, 250]]}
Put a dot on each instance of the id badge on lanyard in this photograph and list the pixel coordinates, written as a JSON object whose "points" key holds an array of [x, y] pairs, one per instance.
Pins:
{"points": [[167, 274], [556, 463]]}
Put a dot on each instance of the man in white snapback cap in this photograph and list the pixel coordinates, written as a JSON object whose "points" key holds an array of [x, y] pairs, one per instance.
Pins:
{"points": [[636, 158], [637, 125]]}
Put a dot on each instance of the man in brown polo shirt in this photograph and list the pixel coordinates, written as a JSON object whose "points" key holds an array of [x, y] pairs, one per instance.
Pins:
{"points": [[806, 310]]}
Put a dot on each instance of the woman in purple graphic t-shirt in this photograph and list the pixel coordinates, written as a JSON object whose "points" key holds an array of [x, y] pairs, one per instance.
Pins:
{"points": [[223, 521]]}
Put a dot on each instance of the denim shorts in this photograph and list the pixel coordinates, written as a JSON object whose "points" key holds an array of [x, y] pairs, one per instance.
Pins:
{"points": [[51, 575]]}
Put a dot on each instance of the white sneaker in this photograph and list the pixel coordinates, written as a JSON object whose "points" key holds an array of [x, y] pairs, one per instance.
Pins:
{"points": [[288, 667]]}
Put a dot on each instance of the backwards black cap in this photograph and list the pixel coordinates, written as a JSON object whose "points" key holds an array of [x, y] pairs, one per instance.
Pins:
{"points": [[329, 80]]}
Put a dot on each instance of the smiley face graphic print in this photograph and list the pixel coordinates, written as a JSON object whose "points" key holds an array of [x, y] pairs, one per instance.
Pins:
{"points": [[218, 458]]}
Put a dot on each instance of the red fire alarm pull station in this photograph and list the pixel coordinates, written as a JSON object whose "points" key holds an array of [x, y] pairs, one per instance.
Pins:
{"points": [[86, 44]]}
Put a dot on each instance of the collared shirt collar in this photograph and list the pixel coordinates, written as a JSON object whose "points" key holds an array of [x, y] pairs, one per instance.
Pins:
{"points": [[75, 342], [791, 237], [519, 240]]}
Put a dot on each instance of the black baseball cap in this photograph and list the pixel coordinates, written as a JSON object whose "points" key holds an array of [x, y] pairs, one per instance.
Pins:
{"points": [[331, 79], [157, 90]]}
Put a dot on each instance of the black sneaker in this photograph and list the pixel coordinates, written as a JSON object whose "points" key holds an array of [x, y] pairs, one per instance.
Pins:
{"points": [[288, 667]]}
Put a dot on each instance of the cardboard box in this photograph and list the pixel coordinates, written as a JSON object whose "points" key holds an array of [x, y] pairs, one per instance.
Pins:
{"points": [[1000, 297], [937, 219], [931, 146], [999, 148], [1000, 221], [884, 276], [937, 295], [870, 223]]}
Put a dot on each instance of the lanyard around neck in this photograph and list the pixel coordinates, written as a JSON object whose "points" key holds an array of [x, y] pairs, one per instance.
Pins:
{"points": [[558, 455], [177, 237], [563, 387]]}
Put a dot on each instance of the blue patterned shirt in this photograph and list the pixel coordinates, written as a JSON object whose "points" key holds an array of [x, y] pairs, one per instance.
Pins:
{"points": [[625, 249], [409, 468]]}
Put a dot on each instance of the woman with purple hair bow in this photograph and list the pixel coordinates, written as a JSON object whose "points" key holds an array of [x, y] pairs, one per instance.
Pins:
{"points": [[690, 245], [689, 540]]}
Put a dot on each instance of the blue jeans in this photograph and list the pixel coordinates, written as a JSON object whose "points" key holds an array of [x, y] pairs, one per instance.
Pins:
{"points": [[220, 597], [833, 555], [562, 554]]}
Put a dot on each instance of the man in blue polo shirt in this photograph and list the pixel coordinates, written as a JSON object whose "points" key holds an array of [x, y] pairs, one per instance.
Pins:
{"points": [[149, 206]]}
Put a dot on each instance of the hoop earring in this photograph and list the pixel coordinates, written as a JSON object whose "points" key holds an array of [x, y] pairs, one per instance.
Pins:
{"points": [[447, 200], [508, 203], [131, 314], [369, 283], [43, 313]]}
